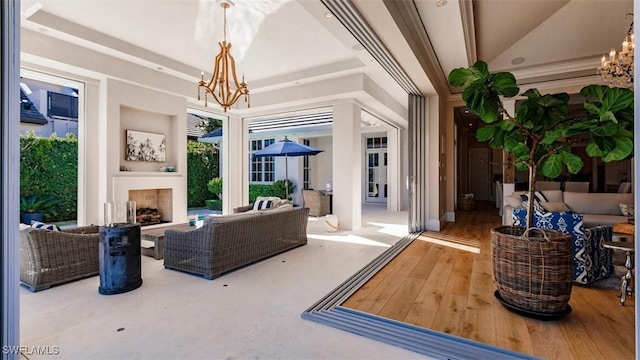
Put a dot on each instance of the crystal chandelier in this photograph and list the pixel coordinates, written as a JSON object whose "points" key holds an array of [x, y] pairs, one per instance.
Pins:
{"points": [[224, 86], [618, 70]]}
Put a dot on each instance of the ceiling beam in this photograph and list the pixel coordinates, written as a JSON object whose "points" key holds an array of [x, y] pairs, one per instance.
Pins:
{"points": [[406, 16]]}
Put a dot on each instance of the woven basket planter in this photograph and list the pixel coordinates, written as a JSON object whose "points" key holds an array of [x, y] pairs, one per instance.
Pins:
{"points": [[532, 268]]}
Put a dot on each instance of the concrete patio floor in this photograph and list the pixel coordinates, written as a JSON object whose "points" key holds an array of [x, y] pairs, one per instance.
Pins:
{"points": [[251, 313]]}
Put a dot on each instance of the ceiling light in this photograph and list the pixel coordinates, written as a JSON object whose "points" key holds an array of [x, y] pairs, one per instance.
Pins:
{"points": [[328, 15], [618, 71], [441, 3], [224, 86], [517, 61]]}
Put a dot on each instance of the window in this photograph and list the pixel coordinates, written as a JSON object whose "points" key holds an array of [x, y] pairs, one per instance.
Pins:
{"points": [[263, 168], [61, 105], [377, 143]]}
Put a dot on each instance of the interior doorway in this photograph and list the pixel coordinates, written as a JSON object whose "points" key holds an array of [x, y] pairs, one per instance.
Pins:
{"points": [[376, 155], [480, 174]]}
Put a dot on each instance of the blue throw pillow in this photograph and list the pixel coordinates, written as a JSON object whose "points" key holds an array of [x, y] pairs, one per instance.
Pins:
{"points": [[41, 225]]}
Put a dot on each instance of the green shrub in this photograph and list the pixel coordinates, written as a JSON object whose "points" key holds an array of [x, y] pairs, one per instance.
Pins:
{"points": [[279, 189], [213, 204], [256, 190], [49, 167], [215, 186], [202, 165]]}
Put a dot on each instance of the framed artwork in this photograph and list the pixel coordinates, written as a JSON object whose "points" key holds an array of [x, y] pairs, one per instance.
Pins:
{"points": [[145, 146]]}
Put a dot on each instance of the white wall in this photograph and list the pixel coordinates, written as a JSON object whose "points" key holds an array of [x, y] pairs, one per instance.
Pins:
{"points": [[323, 172], [127, 107]]}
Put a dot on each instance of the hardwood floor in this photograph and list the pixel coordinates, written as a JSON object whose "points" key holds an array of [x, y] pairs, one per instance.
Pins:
{"points": [[443, 281]]}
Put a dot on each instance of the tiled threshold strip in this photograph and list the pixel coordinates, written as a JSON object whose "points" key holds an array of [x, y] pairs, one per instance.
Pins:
{"points": [[328, 311]]}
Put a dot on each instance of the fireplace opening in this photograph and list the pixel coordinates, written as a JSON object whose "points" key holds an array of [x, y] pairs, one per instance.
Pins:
{"points": [[153, 206], [149, 216]]}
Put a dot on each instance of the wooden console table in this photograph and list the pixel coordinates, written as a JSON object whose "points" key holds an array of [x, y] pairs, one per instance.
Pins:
{"points": [[156, 235]]}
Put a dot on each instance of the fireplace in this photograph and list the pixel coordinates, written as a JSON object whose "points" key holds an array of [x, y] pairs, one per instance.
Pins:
{"points": [[153, 206]]}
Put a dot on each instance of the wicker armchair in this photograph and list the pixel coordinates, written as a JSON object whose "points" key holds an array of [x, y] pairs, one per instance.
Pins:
{"points": [[317, 203], [50, 257]]}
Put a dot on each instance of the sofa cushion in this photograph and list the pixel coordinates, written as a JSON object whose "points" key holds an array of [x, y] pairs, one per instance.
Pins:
{"points": [[513, 201], [597, 203], [230, 217], [592, 220], [552, 206], [553, 195], [43, 226]]}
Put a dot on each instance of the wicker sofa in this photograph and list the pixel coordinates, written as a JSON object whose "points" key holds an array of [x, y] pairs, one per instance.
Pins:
{"points": [[225, 243], [49, 258]]}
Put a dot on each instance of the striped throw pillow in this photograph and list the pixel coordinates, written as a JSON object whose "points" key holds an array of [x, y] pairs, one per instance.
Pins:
{"points": [[41, 225], [262, 204]]}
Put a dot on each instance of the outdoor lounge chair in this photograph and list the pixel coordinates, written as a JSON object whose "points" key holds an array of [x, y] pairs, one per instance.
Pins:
{"points": [[49, 257], [317, 203]]}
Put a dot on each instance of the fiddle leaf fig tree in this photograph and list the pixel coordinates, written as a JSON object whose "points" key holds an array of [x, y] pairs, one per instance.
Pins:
{"points": [[542, 131]]}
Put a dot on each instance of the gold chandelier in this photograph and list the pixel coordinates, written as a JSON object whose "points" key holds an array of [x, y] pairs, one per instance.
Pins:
{"points": [[224, 86], [618, 70]]}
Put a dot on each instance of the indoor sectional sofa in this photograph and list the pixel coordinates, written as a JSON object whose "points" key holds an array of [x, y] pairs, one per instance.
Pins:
{"points": [[225, 243], [595, 208]]}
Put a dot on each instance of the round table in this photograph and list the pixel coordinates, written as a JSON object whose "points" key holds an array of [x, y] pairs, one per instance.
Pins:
{"points": [[626, 286]]}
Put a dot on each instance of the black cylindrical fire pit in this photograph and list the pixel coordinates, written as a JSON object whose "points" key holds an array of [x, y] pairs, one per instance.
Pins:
{"points": [[120, 263]]}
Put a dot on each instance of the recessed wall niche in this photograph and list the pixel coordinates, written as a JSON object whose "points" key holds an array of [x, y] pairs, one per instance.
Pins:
{"points": [[146, 121]]}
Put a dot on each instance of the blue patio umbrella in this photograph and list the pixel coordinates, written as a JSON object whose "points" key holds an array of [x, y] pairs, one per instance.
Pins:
{"points": [[287, 148]]}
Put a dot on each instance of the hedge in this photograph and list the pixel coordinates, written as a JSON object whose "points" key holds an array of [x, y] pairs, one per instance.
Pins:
{"points": [[202, 166], [49, 166]]}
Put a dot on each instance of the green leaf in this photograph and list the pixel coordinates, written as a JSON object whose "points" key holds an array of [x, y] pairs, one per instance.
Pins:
{"points": [[532, 93], [594, 91], [624, 147], [574, 162], [521, 151], [482, 67], [606, 129], [520, 166], [552, 166], [504, 83], [462, 76], [490, 110], [485, 133], [608, 116], [551, 136], [605, 144], [507, 125], [591, 108], [616, 99], [594, 151]]}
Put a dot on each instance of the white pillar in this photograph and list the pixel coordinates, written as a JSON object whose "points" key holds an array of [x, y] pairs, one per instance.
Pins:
{"points": [[393, 169], [235, 163], [347, 157]]}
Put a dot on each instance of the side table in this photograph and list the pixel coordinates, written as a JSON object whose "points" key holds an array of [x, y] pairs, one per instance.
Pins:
{"points": [[626, 286]]}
